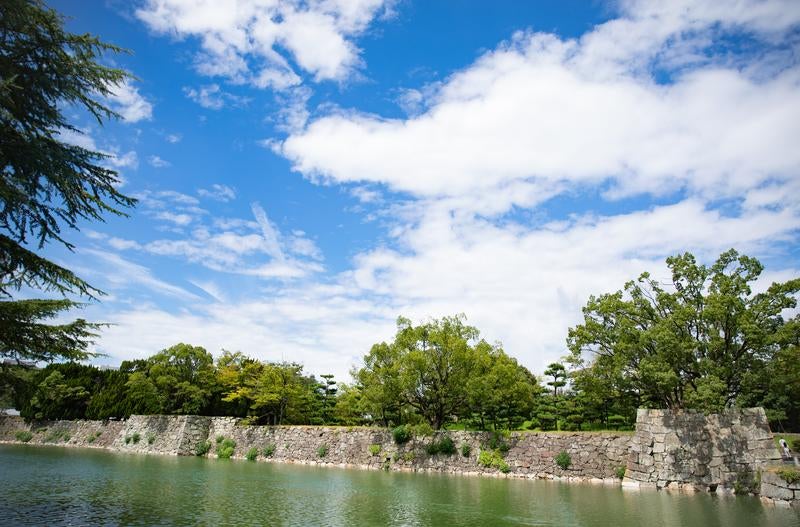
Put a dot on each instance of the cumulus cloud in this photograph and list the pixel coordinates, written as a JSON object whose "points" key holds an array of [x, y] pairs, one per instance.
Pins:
{"points": [[157, 162], [213, 97], [255, 40], [129, 103], [544, 113]]}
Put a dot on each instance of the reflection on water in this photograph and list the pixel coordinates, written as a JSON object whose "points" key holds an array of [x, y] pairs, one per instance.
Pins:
{"points": [[59, 486]]}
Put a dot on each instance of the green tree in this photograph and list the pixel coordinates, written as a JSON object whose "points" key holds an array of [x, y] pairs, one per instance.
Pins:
{"points": [[185, 378], [501, 391], [48, 184], [56, 398], [694, 342], [378, 383]]}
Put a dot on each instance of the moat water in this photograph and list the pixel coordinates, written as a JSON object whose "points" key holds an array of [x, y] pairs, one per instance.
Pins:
{"points": [[64, 486]]}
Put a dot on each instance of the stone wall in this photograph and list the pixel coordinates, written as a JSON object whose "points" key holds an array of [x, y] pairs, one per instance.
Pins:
{"points": [[675, 450], [687, 449], [776, 490]]}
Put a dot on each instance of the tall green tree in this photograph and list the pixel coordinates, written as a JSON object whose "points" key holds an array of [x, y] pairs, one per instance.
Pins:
{"points": [[694, 342], [48, 184]]}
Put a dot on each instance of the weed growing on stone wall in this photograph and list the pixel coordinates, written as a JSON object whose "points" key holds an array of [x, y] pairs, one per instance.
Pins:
{"points": [[220, 438], [422, 429], [151, 438], [374, 450], [91, 438], [443, 446], [269, 450], [386, 464], [127, 439], [789, 475], [497, 441], [563, 460], [493, 459], [23, 436], [57, 435], [620, 472], [322, 451], [252, 454], [202, 448], [408, 456], [401, 434], [466, 450], [225, 448], [136, 437]]}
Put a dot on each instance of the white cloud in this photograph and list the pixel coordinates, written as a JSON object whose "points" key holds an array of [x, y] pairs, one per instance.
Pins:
{"points": [[127, 102], [174, 138], [218, 192], [254, 40], [119, 272], [157, 162], [215, 98], [548, 114]]}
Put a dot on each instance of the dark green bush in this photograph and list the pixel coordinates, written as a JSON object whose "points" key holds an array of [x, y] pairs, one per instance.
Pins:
{"points": [[127, 440], [401, 434], [620, 472], [563, 460], [220, 438], [444, 446], [269, 450], [202, 448], [151, 438], [23, 436], [225, 448], [136, 437], [497, 442], [252, 454], [466, 450], [322, 451]]}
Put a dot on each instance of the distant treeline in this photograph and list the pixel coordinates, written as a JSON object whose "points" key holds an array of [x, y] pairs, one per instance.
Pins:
{"points": [[704, 341]]}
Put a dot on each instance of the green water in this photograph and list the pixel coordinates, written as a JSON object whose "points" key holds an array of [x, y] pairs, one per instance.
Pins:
{"points": [[60, 486]]}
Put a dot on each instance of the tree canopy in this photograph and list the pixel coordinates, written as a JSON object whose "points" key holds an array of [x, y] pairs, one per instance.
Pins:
{"points": [[696, 342], [48, 184]]}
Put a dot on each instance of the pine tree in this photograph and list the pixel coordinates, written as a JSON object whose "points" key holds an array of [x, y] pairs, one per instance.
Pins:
{"points": [[48, 184]]}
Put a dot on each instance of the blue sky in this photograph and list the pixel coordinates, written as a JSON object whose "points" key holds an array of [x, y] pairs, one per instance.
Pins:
{"points": [[309, 170]]}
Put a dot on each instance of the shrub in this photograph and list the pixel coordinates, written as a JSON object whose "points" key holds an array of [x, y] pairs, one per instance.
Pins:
{"points": [[23, 436], [90, 438], [151, 438], [746, 483], [408, 456], [374, 450], [127, 440], [493, 459], [202, 448], [497, 442], [466, 450], [789, 475], [401, 434], [136, 437], [225, 448], [269, 450], [446, 446], [563, 460], [620, 472], [422, 429], [443, 446], [322, 451], [252, 454], [220, 438]]}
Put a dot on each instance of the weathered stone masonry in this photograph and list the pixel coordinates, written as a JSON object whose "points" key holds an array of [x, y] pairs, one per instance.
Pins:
{"points": [[685, 450]]}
